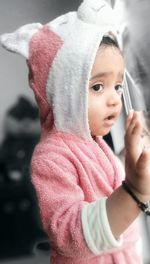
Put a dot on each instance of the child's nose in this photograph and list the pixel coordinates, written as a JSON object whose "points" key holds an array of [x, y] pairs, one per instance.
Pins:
{"points": [[113, 99]]}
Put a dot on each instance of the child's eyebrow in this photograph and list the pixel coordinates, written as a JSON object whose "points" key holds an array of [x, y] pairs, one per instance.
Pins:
{"points": [[106, 74]]}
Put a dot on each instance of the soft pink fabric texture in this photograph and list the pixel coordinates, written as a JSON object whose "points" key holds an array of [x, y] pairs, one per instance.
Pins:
{"points": [[68, 173], [43, 48]]}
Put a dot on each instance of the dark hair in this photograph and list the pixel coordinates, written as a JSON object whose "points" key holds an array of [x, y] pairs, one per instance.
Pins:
{"points": [[109, 40]]}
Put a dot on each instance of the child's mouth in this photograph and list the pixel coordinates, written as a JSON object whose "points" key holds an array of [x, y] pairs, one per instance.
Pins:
{"points": [[110, 117], [110, 120]]}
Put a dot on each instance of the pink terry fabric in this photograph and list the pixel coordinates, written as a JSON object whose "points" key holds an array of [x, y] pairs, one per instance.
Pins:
{"points": [[68, 173], [43, 48]]}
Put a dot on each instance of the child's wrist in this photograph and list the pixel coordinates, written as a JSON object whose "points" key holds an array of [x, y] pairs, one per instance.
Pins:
{"points": [[143, 201], [142, 197]]}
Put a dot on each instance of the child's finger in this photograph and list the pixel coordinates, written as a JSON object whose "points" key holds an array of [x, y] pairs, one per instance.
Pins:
{"points": [[134, 124], [137, 133], [143, 164], [133, 137], [129, 118], [133, 140]]}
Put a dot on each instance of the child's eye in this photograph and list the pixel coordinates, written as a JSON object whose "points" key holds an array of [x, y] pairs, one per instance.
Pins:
{"points": [[97, 87], [119, 89]]}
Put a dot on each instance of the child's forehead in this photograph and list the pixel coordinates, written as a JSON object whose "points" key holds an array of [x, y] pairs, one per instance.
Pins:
{"points": [[107, 49], [107, 74], [107, 71], [108, 58]]}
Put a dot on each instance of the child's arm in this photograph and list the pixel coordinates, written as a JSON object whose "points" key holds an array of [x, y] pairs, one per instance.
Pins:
{"points": [[121, 207]]}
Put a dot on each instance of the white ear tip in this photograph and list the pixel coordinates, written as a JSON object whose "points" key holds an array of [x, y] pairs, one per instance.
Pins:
{"points": [[5, 40], [10, 42], [18, 41]]}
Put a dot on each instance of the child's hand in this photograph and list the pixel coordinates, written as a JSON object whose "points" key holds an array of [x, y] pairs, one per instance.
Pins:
{"points": [[137, 158]]}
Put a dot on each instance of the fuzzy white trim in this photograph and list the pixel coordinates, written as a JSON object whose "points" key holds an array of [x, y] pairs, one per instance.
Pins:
{"points": [[139, 247], [68, 80], [18, 41], [96, 228], [62, 25]]}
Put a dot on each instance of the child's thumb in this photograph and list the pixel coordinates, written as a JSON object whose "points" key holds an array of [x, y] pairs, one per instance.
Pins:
{"points": [[144, 160]]}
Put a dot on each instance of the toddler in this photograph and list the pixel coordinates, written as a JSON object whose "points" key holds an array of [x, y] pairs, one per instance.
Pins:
{"points": [[76, 71]]}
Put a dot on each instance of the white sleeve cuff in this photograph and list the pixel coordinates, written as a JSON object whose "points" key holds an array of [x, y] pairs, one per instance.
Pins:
{"points": [[96, 228]]}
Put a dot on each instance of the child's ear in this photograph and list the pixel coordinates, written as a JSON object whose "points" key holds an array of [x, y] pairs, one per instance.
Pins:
{"points": [[18, 41]]}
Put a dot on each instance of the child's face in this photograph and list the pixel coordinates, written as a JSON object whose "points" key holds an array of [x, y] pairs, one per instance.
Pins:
{"points": [[105, 89]]}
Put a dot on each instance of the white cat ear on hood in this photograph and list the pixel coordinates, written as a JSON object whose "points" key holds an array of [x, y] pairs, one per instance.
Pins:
{"points": [[18, 41], [96, 12]]}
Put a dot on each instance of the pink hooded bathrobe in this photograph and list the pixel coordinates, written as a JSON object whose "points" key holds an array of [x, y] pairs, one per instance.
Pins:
{"points": [[72, 173]]}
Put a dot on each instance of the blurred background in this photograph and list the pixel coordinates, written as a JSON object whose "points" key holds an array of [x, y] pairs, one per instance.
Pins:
{"points": [[22, 239]]}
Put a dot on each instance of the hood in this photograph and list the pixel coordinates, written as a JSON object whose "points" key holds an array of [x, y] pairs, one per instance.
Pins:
{"points": [[60, 56]]}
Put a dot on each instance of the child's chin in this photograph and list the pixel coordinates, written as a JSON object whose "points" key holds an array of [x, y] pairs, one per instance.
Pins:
{"points": [[100, 134], [104, 132]]}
